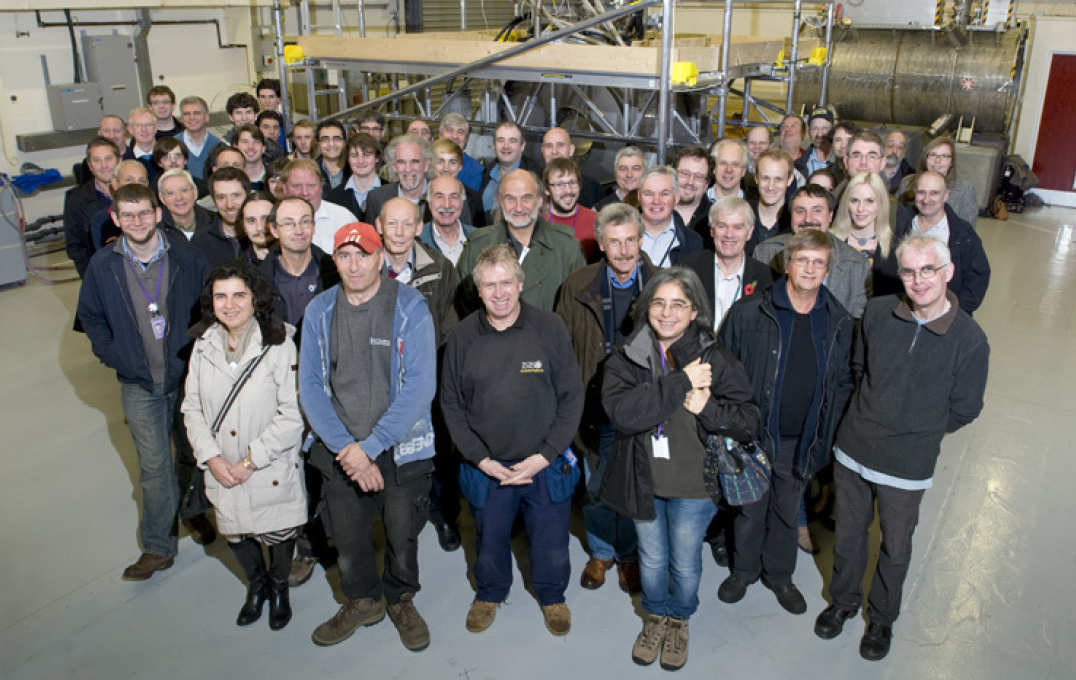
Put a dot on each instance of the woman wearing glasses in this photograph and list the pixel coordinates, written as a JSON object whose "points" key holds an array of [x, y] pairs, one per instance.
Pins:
{"points": [[940, 156], [665, 389], [862, 221]]}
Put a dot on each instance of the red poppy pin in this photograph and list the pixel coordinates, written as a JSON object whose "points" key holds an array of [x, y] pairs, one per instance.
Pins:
{"points": [[749, 289]]}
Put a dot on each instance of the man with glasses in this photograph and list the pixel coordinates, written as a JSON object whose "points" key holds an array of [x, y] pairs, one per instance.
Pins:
{"points": [[302, 178], [693, 171], [142, 125], [547, 252], [848, 275], [331, 139], [921, 365], [373, 124], [865, 153], [136, 305], [794, 340], [563, 184], [933, 217], [594, 303]]}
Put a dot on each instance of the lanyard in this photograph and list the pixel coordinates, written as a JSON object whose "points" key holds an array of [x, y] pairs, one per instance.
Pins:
{"points": [[661, 426], [668, 250], [151, 303]]}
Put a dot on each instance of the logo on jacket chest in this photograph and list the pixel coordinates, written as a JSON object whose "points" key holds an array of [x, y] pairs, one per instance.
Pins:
{"points": [[532, 367]]}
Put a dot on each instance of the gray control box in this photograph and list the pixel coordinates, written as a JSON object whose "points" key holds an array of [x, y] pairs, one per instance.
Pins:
{"points": [[75, 106]]}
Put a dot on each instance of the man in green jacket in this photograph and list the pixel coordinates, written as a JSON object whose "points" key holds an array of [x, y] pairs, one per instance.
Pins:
{"points": [[547, 252]]}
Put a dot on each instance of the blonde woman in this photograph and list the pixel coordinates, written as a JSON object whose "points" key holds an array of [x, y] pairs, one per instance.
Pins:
{"points": [[862, 221]]}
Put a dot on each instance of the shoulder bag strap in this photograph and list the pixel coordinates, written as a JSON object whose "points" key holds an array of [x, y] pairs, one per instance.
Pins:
{"points": [[236, 388]]}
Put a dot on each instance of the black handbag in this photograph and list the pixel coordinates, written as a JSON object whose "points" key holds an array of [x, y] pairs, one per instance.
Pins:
{"points": [[735, 471], [194, 501]]}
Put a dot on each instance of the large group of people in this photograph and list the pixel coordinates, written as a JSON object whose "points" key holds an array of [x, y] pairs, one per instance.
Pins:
{"points": [[332, 326]]}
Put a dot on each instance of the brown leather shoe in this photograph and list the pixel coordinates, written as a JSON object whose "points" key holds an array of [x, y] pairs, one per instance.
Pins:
{"points": [[628, 575], [594, 573], [145, 566]]}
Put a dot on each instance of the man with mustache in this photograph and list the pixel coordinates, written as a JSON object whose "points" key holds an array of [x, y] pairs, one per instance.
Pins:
{"points": [[547, 252], [849, 272], [445, 232]]}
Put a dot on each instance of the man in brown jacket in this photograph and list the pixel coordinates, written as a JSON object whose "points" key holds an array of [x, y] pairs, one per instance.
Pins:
{"points": [[594, 303]]}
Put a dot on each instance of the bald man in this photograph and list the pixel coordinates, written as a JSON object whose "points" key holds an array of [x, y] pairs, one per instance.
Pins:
{"points": [[557, 143]]}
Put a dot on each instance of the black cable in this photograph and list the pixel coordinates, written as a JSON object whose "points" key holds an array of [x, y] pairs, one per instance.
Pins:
{"points": [[74, 46]]}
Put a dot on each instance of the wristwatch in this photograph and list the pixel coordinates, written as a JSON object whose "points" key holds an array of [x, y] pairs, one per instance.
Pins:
{"points": [[249, 464]]}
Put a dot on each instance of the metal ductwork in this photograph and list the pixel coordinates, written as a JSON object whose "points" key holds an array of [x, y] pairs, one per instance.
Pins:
{"points": [[911, 77]]}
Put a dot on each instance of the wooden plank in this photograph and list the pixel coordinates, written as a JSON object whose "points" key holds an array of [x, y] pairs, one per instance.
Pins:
{"points": [[451, 48]]}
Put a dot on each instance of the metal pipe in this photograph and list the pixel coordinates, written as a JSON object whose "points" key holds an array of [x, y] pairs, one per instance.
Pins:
{"points": [[723, 90], [362, 18], [824, 89], [501, 56], [665, 80], [463, 15], [552, 105], [285, 96], [794, 55]]}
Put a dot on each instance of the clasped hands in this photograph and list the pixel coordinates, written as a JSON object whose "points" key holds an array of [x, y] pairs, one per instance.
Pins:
{"points": [[521, 473], [228, 475], [700, 375], [360, 468]]}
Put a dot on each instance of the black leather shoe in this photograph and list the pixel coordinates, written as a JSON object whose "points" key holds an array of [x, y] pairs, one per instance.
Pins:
{"points": [[732, 589], [830, 622], [789, 597], [720, 551], [448, 536], [279, 608], [875, 643], [252, 608]]}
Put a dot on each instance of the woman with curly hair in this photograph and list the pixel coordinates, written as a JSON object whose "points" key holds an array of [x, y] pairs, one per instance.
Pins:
{"points": [[248, 442]]}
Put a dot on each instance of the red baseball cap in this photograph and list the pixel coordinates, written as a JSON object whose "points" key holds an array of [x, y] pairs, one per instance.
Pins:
{"points": [[359, 233]]}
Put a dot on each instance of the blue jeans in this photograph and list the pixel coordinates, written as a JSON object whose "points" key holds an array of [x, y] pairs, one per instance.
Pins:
{"points": [[150, 417], [609, 535], [670, 549], [547, 529]]}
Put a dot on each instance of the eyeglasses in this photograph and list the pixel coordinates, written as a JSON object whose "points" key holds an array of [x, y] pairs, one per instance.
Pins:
{"points": [[807, 262], [334, 138], [141, 216], [567, 184], [677, 306], [684, 176], [926, 273], [369, 128], [939, 156]]}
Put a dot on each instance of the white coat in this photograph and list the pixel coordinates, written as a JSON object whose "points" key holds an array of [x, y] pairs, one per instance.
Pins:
{"points": [[264, 421]]}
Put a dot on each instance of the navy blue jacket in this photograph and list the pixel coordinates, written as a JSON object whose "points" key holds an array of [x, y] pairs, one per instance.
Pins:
{"points": [[107, 313], [752, 333], [971, 274]]}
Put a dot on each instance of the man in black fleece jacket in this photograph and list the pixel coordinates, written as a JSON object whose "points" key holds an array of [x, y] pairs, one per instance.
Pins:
{"points": [[512, 398], [921, 364]]}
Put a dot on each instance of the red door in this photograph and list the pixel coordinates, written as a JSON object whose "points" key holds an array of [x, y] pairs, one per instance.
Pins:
{"points": [[1055, 151]]}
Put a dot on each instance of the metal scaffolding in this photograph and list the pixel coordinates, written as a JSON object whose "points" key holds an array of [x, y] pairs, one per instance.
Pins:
{"points": [[618, 107]]}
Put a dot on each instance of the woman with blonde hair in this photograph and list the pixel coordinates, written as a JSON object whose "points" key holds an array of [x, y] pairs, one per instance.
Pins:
{"points": [[862, 221]]}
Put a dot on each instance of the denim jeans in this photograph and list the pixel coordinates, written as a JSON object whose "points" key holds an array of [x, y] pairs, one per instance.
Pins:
{"points": [[547, 529], [670, 555], [150, 417], [609, 535]]}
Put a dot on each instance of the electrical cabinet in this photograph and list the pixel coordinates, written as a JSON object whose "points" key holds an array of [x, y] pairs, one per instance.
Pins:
{"points": [[110, 62], [74, 106]]}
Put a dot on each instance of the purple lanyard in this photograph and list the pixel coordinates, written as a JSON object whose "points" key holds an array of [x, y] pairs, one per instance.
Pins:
{"points": [[151, 303]]}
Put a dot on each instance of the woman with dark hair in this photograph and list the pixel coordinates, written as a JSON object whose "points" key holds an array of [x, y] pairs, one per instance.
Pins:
{"points": [[939, 156], [666, 388], [169, 154], [256, 239], [363, 161], [248, 442]]}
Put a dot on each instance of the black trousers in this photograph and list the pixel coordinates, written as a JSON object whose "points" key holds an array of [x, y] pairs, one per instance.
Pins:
{"points": [[402, 507], [764, 541], [898, 514]]}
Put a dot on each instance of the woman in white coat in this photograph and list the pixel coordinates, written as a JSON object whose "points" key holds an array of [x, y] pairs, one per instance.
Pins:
{"points": [[253, 474]]}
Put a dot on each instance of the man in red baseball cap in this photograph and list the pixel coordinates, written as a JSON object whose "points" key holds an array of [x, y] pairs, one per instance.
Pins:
{"points": [[367, 376]]}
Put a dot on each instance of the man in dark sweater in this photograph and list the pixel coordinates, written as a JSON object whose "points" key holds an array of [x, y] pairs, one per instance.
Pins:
{"points": [[794, 339], [921, 362], [512, 399]]}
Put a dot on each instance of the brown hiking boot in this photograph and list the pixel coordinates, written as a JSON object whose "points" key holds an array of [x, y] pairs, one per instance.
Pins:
{"points": [[354, 613], [594, 573], [414, 634], [145, 566], [647, 645], [558, 618], [481, 615], [674, 649], [302, 567]]}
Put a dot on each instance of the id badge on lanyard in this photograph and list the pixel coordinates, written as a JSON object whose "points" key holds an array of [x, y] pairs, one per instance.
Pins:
{"points": [[659, 443]]}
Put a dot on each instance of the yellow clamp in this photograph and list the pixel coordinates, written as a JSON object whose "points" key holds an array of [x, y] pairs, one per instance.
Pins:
{"points": [[780, 60], [685, 72], [293, 54], [818, 56]]}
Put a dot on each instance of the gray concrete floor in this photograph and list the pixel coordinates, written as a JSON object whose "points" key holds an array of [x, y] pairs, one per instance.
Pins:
{"points": [[986, 596]]}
